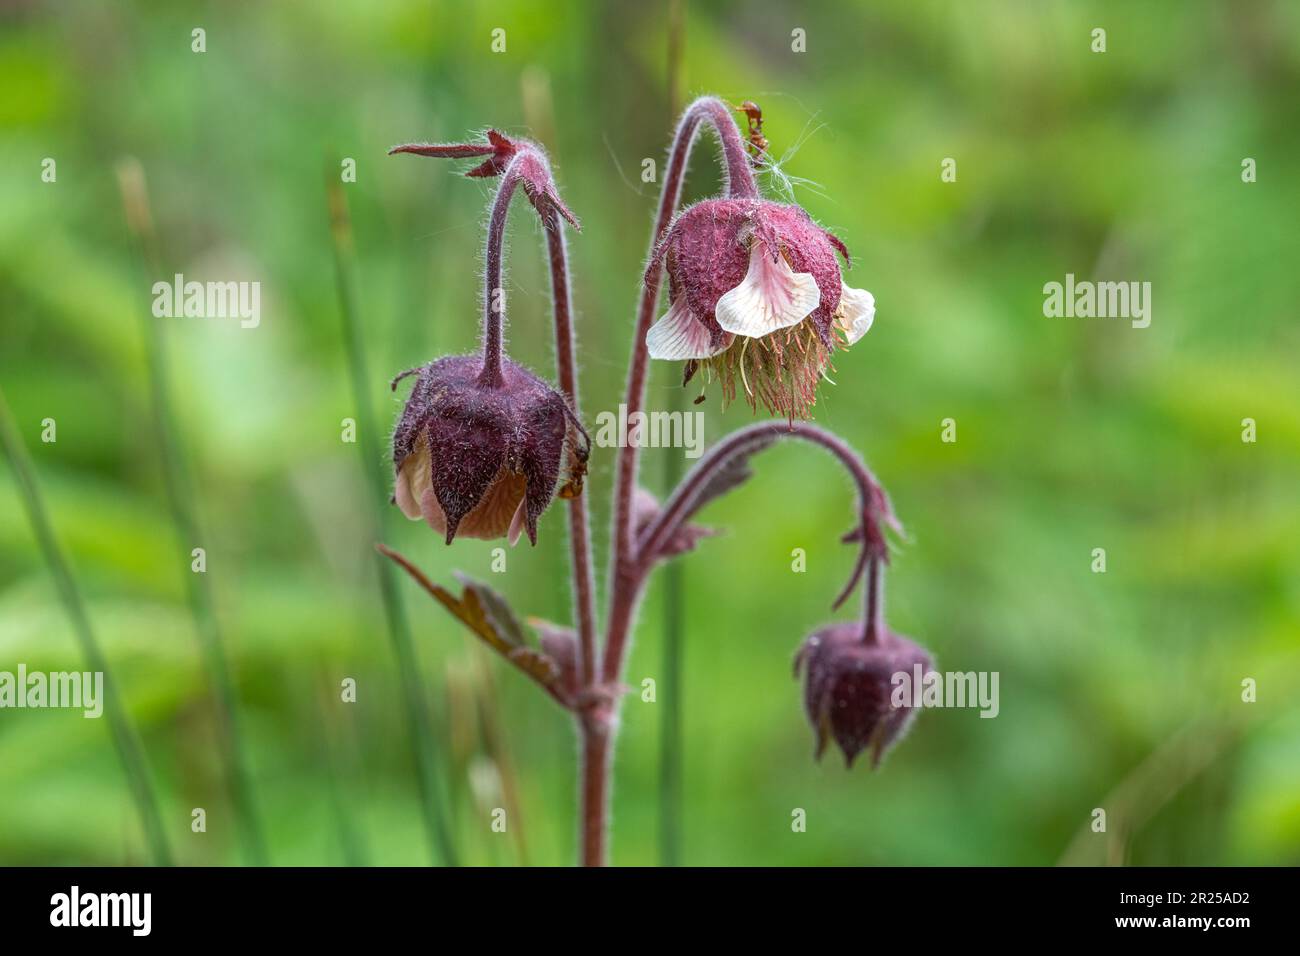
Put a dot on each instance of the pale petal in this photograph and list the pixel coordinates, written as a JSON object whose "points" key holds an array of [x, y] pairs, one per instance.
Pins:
{"points": [[405, 501], [415, 465], [415, 488], [772, 296], [680, 335], [434, 516], [517, 522], [496, 511], [856, 312]]}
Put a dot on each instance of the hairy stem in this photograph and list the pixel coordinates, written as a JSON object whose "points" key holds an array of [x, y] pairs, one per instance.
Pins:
{"points": [[873, 612], [494, 295], [682, 502], [671, 743], [625, 583], [597, 737], [523, 163], [739, 183], [584, 591]]}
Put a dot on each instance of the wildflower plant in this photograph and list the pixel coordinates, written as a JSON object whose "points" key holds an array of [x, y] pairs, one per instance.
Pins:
{"points": [[758, 303]]}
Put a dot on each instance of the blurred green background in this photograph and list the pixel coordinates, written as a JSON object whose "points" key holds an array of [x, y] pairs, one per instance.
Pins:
{"points": [[1119, 690]]}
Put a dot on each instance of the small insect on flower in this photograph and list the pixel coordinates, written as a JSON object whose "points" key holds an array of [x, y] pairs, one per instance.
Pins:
{"points": [[756, 141], [756, 297], [848, 688], [480, 457]]}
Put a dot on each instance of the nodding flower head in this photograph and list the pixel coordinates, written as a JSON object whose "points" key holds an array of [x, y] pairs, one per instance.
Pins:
{"points": [[756, 295], [481, 457], [849, 689]]}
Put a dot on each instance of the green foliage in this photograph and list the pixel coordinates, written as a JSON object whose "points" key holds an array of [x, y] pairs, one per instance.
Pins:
{"points": [[1118, 690]]}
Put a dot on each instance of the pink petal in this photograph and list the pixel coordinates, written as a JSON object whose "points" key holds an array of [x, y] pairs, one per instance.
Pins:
{"points": [[772, 296], [680, 335]]}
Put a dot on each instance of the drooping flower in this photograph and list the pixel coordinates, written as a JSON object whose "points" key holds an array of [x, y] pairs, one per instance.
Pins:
{"points": [[849, 688], [756, 297], [478, 457]]}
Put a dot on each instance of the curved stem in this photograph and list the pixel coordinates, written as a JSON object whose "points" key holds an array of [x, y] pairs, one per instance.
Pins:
{"points": [[520, 162], [740, 183], [528, 166], [494, 299], [684, 499], [625, 584]]}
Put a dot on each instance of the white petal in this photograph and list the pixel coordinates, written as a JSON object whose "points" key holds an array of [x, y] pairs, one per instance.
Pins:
{"points": [[856, 312], [772, 296], [680, 335]]}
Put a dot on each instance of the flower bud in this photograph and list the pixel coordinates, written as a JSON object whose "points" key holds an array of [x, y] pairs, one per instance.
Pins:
{"points": [[849, 689], [756, 294], [480, 459]]}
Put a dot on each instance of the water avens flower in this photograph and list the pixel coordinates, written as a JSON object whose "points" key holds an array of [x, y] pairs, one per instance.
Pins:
{"points": [[477, 449], [480, 457], [757, 300], [849, 688]]}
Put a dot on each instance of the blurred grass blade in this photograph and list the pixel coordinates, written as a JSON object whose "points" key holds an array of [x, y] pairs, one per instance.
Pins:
{"points": [[336, 757], [417, 714], [125, 740], [497, 747], [135, 203]]}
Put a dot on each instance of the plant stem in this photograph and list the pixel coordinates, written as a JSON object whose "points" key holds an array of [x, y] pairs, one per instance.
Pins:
{"points": [[125, 739], [441, 846], [625, 583], [135, 200], [592, 725], [873, 611], [597, 737], [494, 296], [527, 165], [739, 183], [635, 569], [591, 729], [584, 588], [875, 503], [670, 678], [679, 506]]}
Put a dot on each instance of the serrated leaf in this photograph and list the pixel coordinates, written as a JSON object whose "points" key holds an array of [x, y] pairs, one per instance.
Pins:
{"points": [[539, 665], [488, 615], [495, 610]]}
